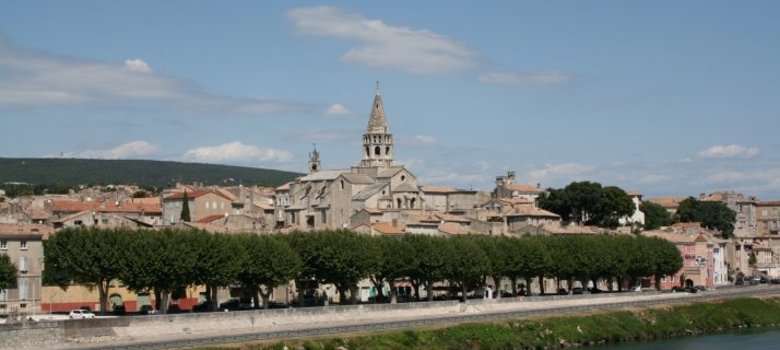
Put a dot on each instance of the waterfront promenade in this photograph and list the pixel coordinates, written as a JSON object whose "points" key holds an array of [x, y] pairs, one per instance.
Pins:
{"points": [[191, 330]]}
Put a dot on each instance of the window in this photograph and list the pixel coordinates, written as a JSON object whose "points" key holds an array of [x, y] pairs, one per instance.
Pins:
{"points": [[207, 205], [4, 245], [222, 205], [23, 264], [377, 150], [23, 245], [23, 288]]}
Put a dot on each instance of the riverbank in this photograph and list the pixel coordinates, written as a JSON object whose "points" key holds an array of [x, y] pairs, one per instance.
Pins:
{"points": [[611, 327]]}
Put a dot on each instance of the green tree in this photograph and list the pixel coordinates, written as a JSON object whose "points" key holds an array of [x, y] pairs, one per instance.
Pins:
{"points": [[220, 258], [88, 256], [655, 215], [392, 263], [667, 260], [589, 203], [466, 263], [185, 208], [270, 262], [428, 262], [7, 273], [713, 215]]}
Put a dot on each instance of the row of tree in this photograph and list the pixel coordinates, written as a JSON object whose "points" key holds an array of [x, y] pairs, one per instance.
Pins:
{"points": [[164, 261]]}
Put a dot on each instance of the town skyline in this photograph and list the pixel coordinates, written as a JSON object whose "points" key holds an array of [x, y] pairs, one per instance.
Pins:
{"points": [[663, 102]]}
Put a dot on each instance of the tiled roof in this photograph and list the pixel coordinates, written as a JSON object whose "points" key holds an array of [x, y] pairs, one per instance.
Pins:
{"points": [[322, 175], [209, 219], [452, 218], [529, 210], [358, 179], [72, 205], [26, 229], [671, 236], [667, 201], [634, 193], [132, 206], [369, 191], [285, 187], [389, 172], [768, 204], [452, 228], [387, 228], [194, 194], [529, 188]]}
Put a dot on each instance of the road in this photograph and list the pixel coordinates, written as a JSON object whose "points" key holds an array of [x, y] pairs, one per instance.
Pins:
{"points": [[471, 313]]}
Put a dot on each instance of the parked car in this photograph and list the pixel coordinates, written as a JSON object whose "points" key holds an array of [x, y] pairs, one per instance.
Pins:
{"points": [[775, 281], [234, 304], [577, 291], [688, 289], [82, 314], [147, 310], [203, 306], [563, 291]]}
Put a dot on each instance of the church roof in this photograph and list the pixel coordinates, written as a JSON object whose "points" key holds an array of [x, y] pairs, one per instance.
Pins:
{"points": [[405, 187], [358, 179], [389, 172], [369, 191], [377, 123], [323, 175]]}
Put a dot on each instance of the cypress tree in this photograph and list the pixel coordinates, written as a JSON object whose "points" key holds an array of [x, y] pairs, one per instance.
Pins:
{"points": [[185, 208]]}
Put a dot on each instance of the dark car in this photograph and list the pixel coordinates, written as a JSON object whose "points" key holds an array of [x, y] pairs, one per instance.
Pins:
{"points": [[688, 289], [563, 291], [147, 310], [774, 281], [201, 307], [234, 304], [577, 291]]}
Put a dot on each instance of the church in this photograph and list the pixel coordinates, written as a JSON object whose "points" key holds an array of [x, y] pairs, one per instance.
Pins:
{"points": [[329, 199]]}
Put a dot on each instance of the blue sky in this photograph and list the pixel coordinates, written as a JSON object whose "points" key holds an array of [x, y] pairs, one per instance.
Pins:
{"points": [[662, 97]]}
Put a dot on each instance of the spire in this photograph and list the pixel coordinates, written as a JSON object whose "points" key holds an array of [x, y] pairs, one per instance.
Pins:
{"points": [[377, 123], [314, 160]]}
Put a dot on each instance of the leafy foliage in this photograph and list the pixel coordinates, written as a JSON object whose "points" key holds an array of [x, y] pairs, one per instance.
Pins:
{"points": [[588, 203], [713, 215], [7, 272], [655, 215]]}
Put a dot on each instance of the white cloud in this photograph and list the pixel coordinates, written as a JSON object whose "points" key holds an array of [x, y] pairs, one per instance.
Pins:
{"points": [[138, 65], [384, 46], [730, 151], [539, 78], [418, 140], [726, 176], [337, 110], [236, 152], [559, 171], [41, 79], [134, 149]]}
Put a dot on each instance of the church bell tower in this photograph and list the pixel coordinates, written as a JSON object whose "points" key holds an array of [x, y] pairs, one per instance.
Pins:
{"points": [[377, 141]]}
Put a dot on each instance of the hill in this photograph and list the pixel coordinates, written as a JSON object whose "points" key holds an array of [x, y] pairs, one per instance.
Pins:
{"points": [[149, 173]]}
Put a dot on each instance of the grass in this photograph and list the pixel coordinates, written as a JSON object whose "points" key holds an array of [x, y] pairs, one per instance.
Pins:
{"points": [[557, 332]]}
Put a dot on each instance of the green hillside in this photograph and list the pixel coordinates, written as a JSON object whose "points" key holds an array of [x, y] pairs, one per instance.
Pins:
{"points": [[149, 173]]}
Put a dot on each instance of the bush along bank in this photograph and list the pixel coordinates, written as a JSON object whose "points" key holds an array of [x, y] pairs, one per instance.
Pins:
{"points": [[562, 332]]}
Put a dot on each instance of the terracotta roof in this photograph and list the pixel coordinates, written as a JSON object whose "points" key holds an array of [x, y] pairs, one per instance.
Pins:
{"points": [[516, 201], [387, 228], [210, 218], [634, 193], [668, 201], [373, 211], [529, 210], [227, 194], [72, 205], [37, 213], [74, 215], [452, 218], [452, 228], [768, 203], [670, 236], [194, 194], [26, 229], [263, 206], [132, 206], [285, 187], [530, 188]]}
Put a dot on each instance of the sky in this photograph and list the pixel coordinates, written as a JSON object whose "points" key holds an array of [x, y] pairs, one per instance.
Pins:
{"points": [[660, 97]]}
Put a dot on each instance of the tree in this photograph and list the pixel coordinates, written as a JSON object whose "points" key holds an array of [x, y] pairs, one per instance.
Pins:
{"points": [[713, 215], [587, 202], [655, 215], [185, 208], [392, 263], [87, 256], [270, 262], [428, 263], [7, 273], [466, 263], [219, 260]]}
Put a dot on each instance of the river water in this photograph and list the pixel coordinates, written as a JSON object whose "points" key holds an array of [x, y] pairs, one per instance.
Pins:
{"points": [[747, 340]]}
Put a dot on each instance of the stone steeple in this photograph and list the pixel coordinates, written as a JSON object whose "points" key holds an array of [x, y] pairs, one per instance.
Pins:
{"points": [[377, 141], [314, 161]]}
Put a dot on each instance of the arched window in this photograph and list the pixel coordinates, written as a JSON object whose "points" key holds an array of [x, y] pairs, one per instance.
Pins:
{"points": [[368, 153], [387, 150], [377, 150], [342, 184], [398, 200]]}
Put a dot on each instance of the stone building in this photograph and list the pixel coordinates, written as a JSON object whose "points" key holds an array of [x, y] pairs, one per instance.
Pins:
{"points": [[327, 199], [23, 243]]}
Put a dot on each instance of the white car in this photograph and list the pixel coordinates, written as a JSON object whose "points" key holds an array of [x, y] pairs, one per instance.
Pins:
{"points": [[83, 314]]}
